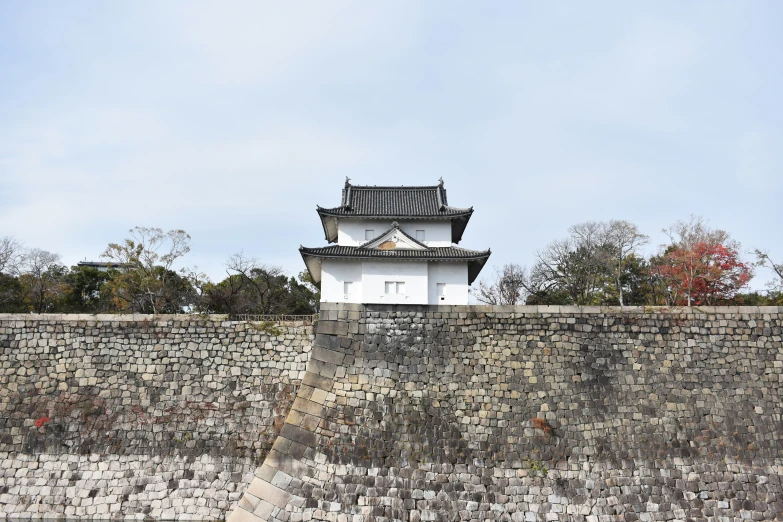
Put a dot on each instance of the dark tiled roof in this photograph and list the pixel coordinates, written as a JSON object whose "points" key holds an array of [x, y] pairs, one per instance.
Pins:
{"points": [[103, 264], [366, 201], [436, 253], [475, 259]]}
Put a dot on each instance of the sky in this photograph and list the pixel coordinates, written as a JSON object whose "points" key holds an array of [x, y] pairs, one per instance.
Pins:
{"points": [[233, 120]]}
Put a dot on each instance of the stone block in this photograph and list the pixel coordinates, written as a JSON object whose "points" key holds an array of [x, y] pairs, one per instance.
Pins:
{"points": [[265, 472], [308, 406], [330, 342], [339, 328], [297, 434], [287, 464], [263, 490], [264, 510], [241, 515], [324, 369], [248, 502], [316, 381], [322, 354]]}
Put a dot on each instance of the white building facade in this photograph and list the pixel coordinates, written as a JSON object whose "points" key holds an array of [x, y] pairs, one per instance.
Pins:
{"points": [[394, 245]]}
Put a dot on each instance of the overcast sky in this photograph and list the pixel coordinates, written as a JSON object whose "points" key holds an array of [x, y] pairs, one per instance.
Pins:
{"points": [[232, 120]]}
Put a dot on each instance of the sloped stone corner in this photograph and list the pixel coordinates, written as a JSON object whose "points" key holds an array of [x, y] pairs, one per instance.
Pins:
{"points": [[293, 465]]}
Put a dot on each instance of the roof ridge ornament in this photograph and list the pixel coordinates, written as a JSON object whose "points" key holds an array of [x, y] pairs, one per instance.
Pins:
{"points": [[395, 224], [348, 193], [441, 181]]}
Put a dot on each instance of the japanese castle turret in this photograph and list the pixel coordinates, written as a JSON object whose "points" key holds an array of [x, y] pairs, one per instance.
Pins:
{"points": [[394, 245]]}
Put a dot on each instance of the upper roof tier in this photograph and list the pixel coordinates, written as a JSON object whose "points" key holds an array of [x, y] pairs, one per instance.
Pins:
{"points": [[370, 202]]}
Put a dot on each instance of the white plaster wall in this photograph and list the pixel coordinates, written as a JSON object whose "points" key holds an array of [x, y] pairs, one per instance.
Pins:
{"points": [[369, 281], [335, 272], [350, 232], [375, 274], [455, 276]]}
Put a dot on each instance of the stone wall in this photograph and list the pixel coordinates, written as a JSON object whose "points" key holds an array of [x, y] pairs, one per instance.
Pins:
{"points": [[134, 416], [403, 413], [531, 414]]}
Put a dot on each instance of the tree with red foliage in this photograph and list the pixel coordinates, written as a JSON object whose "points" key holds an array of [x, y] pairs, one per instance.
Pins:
{"points": [[702, 266]]}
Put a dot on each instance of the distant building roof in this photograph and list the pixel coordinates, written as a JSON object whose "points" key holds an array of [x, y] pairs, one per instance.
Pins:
{"points": [[103, 265], [370, 202]]}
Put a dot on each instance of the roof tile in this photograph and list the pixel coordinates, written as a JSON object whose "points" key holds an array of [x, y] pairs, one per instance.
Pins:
{"points": [[395, 202], [443, 253]]}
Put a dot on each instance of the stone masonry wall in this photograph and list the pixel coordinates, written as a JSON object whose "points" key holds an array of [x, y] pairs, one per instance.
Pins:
{"points": [[531, 414], [140, 416]]}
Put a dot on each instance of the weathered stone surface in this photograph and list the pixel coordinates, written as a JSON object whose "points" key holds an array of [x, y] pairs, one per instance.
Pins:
{"points": [[332, 328], [413, 413], [160, 417], [543, 413]]}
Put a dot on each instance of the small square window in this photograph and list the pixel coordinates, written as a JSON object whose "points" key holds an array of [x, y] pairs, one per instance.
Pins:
{"points": [[369, 234], [395, 287], [441, 291], [420, 235]]}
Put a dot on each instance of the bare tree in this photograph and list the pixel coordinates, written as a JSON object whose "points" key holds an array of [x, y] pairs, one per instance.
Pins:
{"points": [[11, 252], [226, 296], [508, 287], [623, 239], [40, 276], [763, 259], [575, 265], [267, 281], [686, 234]]}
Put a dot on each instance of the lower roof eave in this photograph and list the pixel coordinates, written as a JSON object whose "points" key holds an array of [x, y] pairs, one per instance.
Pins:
{"points": [[475, 263], [313, 265], [475, 267], [391, 258]]}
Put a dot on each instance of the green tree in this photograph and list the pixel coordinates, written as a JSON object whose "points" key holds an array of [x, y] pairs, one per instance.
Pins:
{"points": [[11, 294], [87, 290], [146, 282], [771, 298], [305, 297], [229, 296], [642, 287], [258, 289]]}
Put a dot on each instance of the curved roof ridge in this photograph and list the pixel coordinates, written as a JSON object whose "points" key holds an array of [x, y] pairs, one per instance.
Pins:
{"points": [[402, 187], [427, 202], [463, 210]]}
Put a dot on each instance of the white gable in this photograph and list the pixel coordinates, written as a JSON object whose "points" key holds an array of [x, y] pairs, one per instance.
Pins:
{"points": [[394, 239]]}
